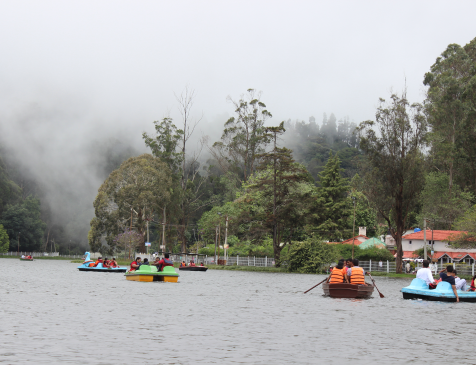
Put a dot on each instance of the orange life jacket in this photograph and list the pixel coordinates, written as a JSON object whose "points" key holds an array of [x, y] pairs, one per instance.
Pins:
{"points": [[337, 276], [357, 276]]}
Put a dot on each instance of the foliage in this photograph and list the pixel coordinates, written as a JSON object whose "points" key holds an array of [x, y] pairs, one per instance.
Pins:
{"points": [[23, 221], [393, 178], [4, 240], [441, 205], [242, 139], [130, 240], [467, 224], [451, 107], [309, 256], [140, 186], [332, 205], [375, 254]]}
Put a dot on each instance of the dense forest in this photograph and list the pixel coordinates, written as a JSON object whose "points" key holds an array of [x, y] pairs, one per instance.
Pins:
{"points": [[272, 186]]}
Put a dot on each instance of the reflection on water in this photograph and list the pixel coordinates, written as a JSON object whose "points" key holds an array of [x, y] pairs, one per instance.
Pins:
{"points": [[50, 313]]}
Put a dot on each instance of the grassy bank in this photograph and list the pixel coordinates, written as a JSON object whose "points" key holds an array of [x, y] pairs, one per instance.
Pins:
{"points": [[247, 268]]}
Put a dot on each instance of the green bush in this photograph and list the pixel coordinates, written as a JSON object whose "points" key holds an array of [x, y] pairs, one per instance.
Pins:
{"points": [[4, 240], [371, 253], [310, 256]]}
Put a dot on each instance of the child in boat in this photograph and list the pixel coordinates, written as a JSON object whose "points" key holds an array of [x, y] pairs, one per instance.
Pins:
{"points": [[106, 262], [183, 264], [146, 262], [98, 261], [201, 264]]}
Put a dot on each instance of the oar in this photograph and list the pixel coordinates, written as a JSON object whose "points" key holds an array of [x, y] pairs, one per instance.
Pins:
{"points": [[373, 281], [316, 285]]}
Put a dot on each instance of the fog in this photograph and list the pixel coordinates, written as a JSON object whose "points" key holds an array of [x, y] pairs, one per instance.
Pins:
{"points": [[79, 75]]}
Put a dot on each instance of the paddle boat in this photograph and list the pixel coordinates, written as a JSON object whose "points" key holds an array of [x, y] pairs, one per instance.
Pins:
{"points": [[26, 259], [87, 265], [149, 273], [345, 290], [193, 268], [418, 289]]}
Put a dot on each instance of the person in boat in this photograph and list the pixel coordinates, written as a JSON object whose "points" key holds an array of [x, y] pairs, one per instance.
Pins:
{"points": [[106, 262], [356, 274], [192, 263], [146, 262], [135, 264], [348, 265], [473, 286], [183, 264], [448, 275], [113, 263], [338, 274], [98, 261], [164, 262], [425, 274], [460, 283], [22, 256], [201, 264]]}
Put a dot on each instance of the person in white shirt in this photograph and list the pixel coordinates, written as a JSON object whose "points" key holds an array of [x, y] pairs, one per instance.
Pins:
{"points": [[460, 283], [425, 274]]}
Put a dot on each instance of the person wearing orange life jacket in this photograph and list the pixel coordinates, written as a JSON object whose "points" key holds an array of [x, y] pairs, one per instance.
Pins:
{"points": [[338, 274], [356, 274], [98, 261]]}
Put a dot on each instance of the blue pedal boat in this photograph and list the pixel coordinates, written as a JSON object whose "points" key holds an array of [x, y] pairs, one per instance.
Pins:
{"points": [[418, 289], [100, 268]]}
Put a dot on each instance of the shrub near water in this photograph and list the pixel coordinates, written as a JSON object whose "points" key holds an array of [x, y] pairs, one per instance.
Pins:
{"points": [[309, 256]]}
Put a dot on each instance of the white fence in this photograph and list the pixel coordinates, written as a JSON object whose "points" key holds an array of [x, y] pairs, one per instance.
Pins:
{"points": [[34, 254]]}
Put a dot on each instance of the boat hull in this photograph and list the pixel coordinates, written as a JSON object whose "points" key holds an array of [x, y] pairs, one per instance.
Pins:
{"points": [[148, 278], [193, 268], [351, 291], [418, 289], [103, 269], [26, 259]]}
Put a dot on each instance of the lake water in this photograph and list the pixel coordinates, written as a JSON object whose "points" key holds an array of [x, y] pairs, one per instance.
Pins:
{"points": [[51, 313]]}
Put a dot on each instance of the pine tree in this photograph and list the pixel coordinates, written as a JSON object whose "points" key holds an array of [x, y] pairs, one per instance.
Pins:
{"points": [[332, 203]]}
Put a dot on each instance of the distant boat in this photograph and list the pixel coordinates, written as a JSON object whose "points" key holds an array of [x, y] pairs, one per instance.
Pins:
{"points": [[26, 259], [86, 266], [193, 268]]}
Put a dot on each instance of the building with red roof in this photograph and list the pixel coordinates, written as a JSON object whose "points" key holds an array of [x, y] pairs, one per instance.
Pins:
{"points": [[437, 239]]}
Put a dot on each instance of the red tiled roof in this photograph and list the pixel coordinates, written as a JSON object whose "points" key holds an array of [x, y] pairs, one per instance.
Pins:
{"points": [[438, 235], [454, 255], [349, 241], [409, 255]]}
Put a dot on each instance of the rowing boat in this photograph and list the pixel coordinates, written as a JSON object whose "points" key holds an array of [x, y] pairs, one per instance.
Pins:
{"points": [[193, 268], [344, 290]]}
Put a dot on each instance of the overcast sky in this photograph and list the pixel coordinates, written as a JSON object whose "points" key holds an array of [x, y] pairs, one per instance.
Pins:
{"points": [[123, 60], [72, 72]]}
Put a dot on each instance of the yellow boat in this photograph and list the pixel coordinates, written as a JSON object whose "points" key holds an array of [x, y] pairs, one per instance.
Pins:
{"points": [[148, 274]]}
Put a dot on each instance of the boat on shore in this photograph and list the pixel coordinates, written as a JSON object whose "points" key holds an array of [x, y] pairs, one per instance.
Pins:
{"points": [[147, 273], [418, 289], [345, 290], [193, 268], [87, 265]]}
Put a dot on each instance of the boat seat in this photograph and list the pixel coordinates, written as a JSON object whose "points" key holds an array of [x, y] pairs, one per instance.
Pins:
{"points": [[153, 268], [444, 287], [169, 270], [145, 268], [418, 284]]}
